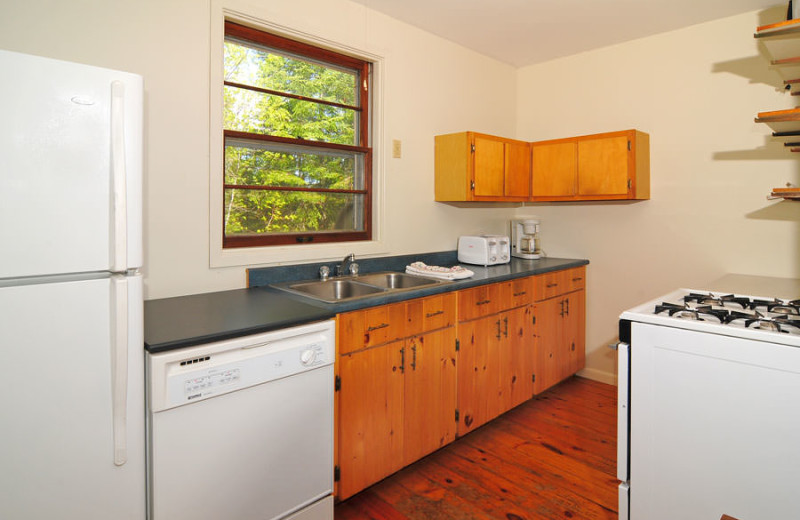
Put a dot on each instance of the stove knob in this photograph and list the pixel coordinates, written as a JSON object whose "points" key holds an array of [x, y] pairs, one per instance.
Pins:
{"points": [[308, 356]]}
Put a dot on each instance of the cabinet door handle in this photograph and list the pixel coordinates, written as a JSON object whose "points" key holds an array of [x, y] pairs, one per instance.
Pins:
{"points": [[562, 308], [567, 311], [521, 293], [505, 320], [551, 285], [499, 334], [432, 314], [414, 356], [483, 302], [377, 327], [573, 346], [402, 360]]}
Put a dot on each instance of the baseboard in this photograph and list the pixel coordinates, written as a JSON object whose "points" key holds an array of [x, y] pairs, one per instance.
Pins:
{"points": [[599, 375]]}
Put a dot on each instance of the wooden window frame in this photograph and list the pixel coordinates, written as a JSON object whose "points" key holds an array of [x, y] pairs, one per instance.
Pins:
{"points": [[363, 146]]}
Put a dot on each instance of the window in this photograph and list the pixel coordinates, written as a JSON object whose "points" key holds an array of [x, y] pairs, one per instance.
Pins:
{"points": [[297, 150]]}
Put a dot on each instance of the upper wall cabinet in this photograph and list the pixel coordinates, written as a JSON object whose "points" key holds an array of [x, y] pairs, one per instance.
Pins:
{"points": [[609, 166], [479, 167]]}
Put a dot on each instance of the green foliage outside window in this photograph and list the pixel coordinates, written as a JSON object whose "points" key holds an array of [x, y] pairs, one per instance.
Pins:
{"points": [[264, 164]]}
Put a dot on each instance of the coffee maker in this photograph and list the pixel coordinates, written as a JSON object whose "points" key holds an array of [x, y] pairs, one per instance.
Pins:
{"points": [[525, 239]]}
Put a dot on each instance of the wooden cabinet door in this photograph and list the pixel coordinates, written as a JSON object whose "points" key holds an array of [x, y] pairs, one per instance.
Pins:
{"points": [[603, 166], [554, 169], [370, 416], [488, 167], [548, 338], [575, 332], [517, 380], [517, 170], [478, 364], [430, 393]]}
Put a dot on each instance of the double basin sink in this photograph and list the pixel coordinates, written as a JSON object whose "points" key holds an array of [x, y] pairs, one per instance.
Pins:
{"points": [[348, 288]]}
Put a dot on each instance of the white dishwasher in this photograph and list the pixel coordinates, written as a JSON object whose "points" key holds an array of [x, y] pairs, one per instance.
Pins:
{"points": [[243, 429]]}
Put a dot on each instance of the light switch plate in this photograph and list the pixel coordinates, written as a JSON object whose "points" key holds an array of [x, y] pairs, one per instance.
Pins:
{"points": [[397, 148]]}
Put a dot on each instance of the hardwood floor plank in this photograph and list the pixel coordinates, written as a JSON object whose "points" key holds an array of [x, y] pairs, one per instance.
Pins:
{"points": [[553, 457]]}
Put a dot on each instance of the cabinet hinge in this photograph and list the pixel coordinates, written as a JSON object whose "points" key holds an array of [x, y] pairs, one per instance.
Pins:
{"points": [[457, 415], [534, 320], [629, 184], [533, 378], [472, 185], [337, 384], [458, 345], [336, 474], [629, 145], [472, 148]]}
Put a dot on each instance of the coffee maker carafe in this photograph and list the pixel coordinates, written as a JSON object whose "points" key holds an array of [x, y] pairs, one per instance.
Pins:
{"points": [[525, 239]]}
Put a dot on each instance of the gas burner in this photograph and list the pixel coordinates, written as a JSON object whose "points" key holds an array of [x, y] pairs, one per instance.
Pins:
{"points": [[721, 301], [698, 313], [759, 321]]}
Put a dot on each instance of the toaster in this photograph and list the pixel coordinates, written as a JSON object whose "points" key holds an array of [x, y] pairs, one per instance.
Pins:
{"points": [[484, 249]]}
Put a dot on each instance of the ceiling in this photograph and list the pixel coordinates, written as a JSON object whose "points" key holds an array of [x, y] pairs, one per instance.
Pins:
{"points": [[523, 32]]}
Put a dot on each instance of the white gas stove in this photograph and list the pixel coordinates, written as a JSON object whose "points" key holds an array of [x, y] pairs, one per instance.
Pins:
{"points": [[709, 407], [760, 318]]}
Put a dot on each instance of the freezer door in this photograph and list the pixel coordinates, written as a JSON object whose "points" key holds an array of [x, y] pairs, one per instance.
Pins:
{"points": [[70, 168], [72, 405]]}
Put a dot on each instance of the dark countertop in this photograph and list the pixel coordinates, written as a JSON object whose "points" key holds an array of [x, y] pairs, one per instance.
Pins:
{"points": [[183, 321]]}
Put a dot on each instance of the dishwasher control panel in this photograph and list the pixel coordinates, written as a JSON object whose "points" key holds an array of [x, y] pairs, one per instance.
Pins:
{"points": [[196, 373]]}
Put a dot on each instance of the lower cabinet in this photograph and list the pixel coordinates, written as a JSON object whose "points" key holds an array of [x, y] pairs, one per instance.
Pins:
{"points": [[396, 401], [412, 376], [495, 366], [559, 328]]}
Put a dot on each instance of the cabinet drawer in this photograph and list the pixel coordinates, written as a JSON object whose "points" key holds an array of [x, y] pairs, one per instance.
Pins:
{"points": [[479, 301], [370, 327], [575, 279], [430, 313], [517, 293], [548, 285]]}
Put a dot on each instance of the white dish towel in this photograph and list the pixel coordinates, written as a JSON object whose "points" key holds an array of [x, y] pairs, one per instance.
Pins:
{"points": [[446, 273]]}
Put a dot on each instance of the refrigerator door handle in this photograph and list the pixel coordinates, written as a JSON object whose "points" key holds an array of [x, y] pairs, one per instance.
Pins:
{"points": [[623, 411], [119, 367], [119, 232]]}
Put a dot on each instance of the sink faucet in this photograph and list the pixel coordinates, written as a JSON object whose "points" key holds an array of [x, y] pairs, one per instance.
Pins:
{"points": [[348, 266]]}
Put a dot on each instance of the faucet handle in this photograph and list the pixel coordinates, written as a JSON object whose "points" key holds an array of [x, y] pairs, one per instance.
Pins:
{"points": [[324, 272], [354, 269]]}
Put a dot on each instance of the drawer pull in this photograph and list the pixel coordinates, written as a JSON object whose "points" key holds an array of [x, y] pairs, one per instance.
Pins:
{"points": [[377, 327], [550, 285], [483, 302], [578, 279], [432, 314], [521, 293]]}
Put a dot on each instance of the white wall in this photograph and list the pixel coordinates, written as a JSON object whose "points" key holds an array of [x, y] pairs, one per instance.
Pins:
{"points": [[431, 86], [696, 92]]}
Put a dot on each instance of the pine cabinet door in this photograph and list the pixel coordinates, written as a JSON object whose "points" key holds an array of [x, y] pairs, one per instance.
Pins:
{"points": [[548, 337], [370, 416], [477, 372], [603, 166], [575, 332], [430, 393], [517, 378], [517, 170], [489, 161], [554, 168]]}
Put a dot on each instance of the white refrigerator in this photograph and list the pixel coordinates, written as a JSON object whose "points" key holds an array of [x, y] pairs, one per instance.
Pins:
{"points": [[71, 349]]}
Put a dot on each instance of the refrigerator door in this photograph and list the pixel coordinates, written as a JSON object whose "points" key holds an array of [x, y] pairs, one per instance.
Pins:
{"points": [[70, 168], [72, 409]]}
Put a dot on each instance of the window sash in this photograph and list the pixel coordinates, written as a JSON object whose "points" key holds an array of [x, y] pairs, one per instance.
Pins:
{"points": [[361, 198]]}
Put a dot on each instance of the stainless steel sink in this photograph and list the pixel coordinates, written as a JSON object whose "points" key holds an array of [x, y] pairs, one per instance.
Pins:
{"points": [[354, 287], [393, 280]]}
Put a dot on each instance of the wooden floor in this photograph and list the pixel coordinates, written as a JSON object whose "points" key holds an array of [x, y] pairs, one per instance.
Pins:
{"points": [[552, 457]]}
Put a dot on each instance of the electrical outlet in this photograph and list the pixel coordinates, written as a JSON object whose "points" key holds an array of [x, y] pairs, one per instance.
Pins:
{"points": [[397, 148]]}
